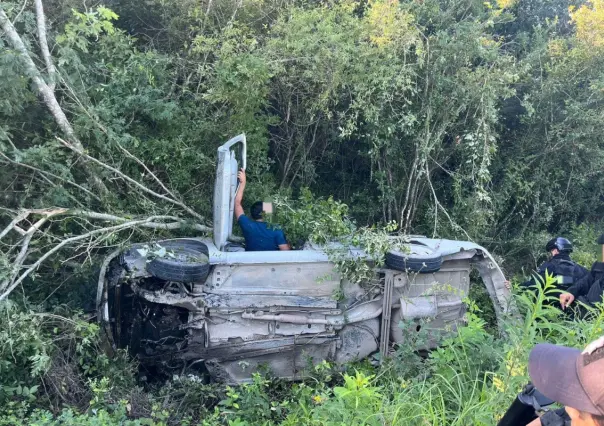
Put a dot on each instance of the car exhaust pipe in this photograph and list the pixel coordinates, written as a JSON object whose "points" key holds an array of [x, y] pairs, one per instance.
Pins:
{"points": [[363, 312]]}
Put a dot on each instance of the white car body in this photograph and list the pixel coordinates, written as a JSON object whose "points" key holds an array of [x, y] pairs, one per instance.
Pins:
{"points": [[284, 310]]}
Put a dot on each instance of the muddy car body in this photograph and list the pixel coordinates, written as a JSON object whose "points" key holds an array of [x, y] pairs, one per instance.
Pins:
{"points": [[211, 306]]}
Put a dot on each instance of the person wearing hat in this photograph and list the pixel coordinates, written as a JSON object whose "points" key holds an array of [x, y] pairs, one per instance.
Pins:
{"points": [[565, 271], [590, 288], [572, 378]]}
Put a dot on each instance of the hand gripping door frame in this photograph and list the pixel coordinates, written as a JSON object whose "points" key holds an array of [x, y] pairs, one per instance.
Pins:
{"points": [[226, 187]]}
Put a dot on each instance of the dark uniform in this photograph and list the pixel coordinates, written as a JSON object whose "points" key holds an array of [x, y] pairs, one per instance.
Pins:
{"points": [[589, 289], [562, 268]]}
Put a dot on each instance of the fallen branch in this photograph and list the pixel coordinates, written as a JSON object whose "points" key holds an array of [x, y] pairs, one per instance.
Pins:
{"points": [[97, 122], [18, 262], [127, 178], [6, 290], [16, 277], [175, 224], [144, 166], [22, 215]]}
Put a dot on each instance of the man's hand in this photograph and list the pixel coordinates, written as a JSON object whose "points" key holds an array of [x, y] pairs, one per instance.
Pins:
{"points": [[566, 299], [241, 176], [507, 284]]}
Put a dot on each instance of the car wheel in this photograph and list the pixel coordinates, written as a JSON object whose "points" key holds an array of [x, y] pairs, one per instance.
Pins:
{"points": [[188, 261], [420, 259]]}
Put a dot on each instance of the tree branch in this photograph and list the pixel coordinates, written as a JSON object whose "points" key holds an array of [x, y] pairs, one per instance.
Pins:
{"points": [[438, 205], [20, 11], [32, 72], [147, 222], [43, 172], [22, 215], [23, 252], [96, 121], [50, 68], [132, 181], [144, 166], [175, 224], [166, 222]]}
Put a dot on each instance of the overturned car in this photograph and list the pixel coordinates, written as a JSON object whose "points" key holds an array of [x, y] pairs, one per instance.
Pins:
{"points": [[196, 305]]}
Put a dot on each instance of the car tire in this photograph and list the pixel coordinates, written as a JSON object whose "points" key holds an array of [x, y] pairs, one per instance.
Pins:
{"points": [[185, 242], [422, 259], [190, 262]]}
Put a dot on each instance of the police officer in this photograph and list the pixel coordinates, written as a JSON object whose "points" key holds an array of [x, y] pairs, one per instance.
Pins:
{"points": [[590, 288], [565, 271]]}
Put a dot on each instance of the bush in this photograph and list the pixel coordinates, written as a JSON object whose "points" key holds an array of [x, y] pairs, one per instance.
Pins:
{"points": [[68, 417], [584, 237], [51, 360]]}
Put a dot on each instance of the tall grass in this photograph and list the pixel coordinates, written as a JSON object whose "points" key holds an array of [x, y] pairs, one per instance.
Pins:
{"points": [[470, 379]]}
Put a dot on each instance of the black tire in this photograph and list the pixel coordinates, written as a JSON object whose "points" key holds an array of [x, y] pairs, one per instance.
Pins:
{"points": [[184, 242], [133, 252], [421, 259], [190, 262]]}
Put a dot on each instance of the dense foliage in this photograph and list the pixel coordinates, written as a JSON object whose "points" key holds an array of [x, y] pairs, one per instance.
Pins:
{"points": [[452, 118], [464, 119]]}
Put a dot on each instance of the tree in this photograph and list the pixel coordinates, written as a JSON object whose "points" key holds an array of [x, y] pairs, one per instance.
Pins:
{"points": [[33, 235]]}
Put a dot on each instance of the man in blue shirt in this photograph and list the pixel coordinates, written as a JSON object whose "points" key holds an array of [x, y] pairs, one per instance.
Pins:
{"points": [[259, 236]]}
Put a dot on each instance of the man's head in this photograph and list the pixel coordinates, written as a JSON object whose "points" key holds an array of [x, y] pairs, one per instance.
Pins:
{"points": [[259, 208], [572, 378], [558, 245]]}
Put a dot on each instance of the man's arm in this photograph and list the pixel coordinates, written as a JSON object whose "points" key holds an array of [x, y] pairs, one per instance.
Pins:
{"points": [[580, 288], [239, 194], [537, 276], [535, 279], [529, 283], [281, 241]]}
